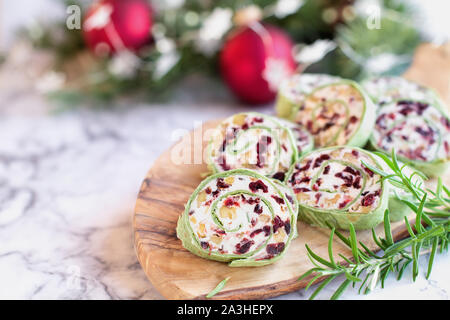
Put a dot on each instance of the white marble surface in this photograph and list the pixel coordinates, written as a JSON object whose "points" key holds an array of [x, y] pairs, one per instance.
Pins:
{"points": [[68, 184]]}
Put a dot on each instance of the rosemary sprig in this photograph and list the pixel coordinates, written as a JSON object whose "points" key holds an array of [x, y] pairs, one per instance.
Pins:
{"points": [[430, 232], [218, 288]]}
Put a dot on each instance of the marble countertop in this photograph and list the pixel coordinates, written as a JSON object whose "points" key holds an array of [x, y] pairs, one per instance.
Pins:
{"points": [[68, 185]]}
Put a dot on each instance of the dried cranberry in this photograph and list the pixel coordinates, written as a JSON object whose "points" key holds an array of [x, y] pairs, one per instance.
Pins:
{"points": [[368, 200], [244, 246], [275, 248], [326, 170], [191, 212], [446, 147], [321, 159], [279, 176], [356, 183], [351, 171], [287, 227], [289, 198], [317, 196], [277, 223], [266, 230], [208, 190], [353, 119], [229, 202], [224, 145], [422, 132], [445, 122], [306, 166], [256, 232], [327, 125], [221, 184], [297, 190], [258, 185], [215, 193], [278, 199], [315, 187], [253, 200], [369, 172], [258, 209], [355, 153], [343, 204], [223, 163], [347, 179], [205, 245], [245, 126], [305, 180], [258, 120]]}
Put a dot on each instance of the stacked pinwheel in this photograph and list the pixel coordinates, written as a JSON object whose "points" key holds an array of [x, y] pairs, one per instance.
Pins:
{"points": [[312, 162]]}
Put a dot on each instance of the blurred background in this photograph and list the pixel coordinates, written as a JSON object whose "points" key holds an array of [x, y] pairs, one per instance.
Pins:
{"points": [[91, 93], [95, 53]]}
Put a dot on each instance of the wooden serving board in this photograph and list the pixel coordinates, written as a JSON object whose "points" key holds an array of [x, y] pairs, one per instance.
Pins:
{"points": [[178, 274]]}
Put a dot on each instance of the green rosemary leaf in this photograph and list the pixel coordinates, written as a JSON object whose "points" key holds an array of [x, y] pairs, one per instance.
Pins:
{"points": [[419, 214], [330, 248], [432, 255], [394, 161], [352, 278], [307, 273], [370, 252], [375, 239], [415, 270], [364, 282], [346, 259], [340, 290], [402, 269], [408, 227], [447, 191], [354, 243], [387, 228], [322, 285], [218, 288], [312, 281], [383, 275], [318, 259], [386, 160]]}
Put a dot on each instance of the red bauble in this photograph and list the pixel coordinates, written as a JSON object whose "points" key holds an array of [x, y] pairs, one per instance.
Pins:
{"points": [[114, 25], [253, 61]]}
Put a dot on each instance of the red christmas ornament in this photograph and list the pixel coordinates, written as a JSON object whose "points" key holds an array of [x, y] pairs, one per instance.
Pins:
{"points": [[113, 25], [254, 60]]}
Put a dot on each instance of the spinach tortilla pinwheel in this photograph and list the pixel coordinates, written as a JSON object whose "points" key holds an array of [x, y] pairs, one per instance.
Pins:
{"points": [[334, 187], [239, 216], [418, 131], [335, 111], [258, 142], [387, 89]]}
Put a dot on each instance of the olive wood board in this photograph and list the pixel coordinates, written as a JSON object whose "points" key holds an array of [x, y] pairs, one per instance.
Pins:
{"points": [[178, 274]]}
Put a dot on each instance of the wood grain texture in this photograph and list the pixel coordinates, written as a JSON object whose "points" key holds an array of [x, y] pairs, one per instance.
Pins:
{"points": [[178, 274]]}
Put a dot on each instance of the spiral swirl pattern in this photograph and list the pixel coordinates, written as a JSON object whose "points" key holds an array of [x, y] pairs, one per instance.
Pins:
{"points": [[418, 131], [335, 111], [333, 186], [387, 89], [257, 142], [240, 217]]}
